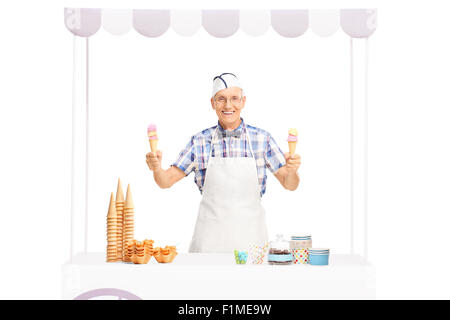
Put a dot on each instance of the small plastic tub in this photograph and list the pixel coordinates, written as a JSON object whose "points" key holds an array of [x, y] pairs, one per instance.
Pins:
{"points": [[319, 257]]}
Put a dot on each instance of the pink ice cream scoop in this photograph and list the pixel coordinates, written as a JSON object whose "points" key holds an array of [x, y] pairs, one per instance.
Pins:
{"points": [[151, 131], [152, 137], [292, 137], [292, 140]]}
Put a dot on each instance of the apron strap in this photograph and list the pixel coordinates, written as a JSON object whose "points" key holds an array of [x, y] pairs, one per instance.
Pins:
{"points": [[249, 142], [212, 144]]}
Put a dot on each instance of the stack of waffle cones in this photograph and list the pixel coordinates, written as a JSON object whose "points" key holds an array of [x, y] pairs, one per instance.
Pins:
{"points": [[119, 209], [129, 250], [111, 232], [148, 244], [128, 221], [166, 254], [139, 253]]}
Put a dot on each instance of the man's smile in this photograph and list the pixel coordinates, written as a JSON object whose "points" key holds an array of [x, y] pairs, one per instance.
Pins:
{"points": [[228, 113]]}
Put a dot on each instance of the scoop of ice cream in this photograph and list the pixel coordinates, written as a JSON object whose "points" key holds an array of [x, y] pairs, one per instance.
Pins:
{"points": [[151, 131], [151, 127], [292, 135]]}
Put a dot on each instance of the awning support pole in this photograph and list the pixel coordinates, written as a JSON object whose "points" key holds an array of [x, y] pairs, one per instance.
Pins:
{"points": [[72, 178], [87, 151], [366, 151], [352, 169]]}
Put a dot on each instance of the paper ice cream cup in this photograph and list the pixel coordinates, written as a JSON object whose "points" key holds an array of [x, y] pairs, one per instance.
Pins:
{"points": [[319, 257], [257, 254], [301, 256]]}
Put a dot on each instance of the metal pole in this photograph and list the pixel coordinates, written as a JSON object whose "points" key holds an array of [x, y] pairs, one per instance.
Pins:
{"points": [[352, 169], [72, 178], [366, 151], [87, 150]]}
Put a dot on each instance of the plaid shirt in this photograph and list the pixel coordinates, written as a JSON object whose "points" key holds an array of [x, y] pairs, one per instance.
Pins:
{"points": [[266, 151]]}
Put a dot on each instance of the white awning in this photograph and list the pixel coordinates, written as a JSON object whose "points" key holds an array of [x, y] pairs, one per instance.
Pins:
{"points": [[357, 23]]}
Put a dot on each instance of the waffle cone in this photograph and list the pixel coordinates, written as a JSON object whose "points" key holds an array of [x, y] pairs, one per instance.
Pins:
{"points": [[153, 145], [165, 255], [147, 258], [111, 231], [128, 220], [119, 209], [292, 146]]}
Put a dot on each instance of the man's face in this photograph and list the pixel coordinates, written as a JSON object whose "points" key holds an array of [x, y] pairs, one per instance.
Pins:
{"points": [[228, 104]]}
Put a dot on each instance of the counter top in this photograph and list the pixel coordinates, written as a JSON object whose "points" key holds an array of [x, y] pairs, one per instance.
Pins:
{"points": [[212, 260], [217, 276]]}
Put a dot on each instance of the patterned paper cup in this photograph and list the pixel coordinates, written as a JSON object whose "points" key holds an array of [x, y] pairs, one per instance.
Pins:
{"points": [[257, 254], [301, 256], [240, 256]]}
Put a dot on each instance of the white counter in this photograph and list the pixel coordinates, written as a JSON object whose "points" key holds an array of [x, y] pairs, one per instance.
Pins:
{"points": [[217, 276]]}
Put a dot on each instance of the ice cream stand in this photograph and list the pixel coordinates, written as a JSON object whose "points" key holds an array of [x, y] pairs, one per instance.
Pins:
{"points": [[348, 275]]}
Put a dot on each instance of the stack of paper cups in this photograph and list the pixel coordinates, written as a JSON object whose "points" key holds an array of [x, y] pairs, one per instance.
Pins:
{"points": [[300, 242], [319, 257]]}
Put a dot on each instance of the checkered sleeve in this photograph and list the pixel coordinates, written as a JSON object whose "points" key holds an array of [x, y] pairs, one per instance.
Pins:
{"points": [[186, 160], [273, 156]]}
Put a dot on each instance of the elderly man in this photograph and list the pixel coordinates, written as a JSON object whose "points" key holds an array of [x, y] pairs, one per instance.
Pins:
{"points": [[229, 161]]}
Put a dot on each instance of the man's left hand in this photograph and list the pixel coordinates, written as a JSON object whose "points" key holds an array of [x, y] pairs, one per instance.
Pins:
{"points": [[292, 162]]}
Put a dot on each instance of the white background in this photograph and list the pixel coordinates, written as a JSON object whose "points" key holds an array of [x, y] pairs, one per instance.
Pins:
{"points": [[408, 136]]}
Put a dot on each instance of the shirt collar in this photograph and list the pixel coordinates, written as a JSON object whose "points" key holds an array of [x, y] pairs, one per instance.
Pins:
{"points": [[227, 133]]}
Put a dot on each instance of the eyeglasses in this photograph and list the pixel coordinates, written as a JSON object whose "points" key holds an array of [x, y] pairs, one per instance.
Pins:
{"points": [[222, 101]]}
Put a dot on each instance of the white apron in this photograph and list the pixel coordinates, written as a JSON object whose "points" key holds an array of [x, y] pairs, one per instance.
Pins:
{"points": [[230, 215]]}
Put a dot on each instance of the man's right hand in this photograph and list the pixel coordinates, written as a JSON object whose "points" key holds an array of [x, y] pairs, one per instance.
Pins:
{"points": [[154, 160]]}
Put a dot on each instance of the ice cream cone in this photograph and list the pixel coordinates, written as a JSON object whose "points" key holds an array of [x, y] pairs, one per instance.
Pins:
{"points": [[154, 145], [111, 231], [128, 218], [292, 140], [292, 146], [119, 210], [152, 137]]}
